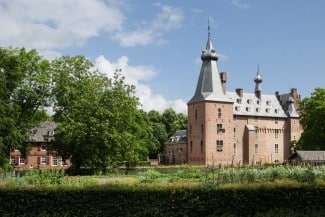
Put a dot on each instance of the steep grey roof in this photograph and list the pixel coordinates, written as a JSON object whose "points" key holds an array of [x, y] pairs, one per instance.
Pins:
{"points": [[251, 105], [311, 155], [179, 136], [42, 133], [291, 109], [209, 87]]}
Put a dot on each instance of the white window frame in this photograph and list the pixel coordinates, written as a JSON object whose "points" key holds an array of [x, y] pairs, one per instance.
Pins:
{"points": [[43, 160], [21, 160], [54, 160]]}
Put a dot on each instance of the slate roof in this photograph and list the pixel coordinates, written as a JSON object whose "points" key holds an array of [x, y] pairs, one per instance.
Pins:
{"points": [[251, 105], [42, 133], [209, 86], [311, 155], [179, 136]]}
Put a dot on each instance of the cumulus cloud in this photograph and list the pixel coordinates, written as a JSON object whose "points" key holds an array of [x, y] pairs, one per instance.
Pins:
{"points": [[169, 18], [54, 24], [136, 75]]}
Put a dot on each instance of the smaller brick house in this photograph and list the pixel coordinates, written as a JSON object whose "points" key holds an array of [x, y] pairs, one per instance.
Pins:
{"points": [[176, 148], [39, 156]]}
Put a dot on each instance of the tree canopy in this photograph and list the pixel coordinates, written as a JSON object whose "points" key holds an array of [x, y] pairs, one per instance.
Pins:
{"points": [[312, 119], [24, 91], [99, 119]]}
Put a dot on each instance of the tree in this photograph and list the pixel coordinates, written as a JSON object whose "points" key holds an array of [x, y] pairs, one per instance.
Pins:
{"points": [[25, 88], [312, 119], [159, 129], [99, 121]]}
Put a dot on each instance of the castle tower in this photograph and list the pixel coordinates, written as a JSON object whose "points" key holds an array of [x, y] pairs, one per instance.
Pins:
{"points": [[210, 115], [258, 83]]}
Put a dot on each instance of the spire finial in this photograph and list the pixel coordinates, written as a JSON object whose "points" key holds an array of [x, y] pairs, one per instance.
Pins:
{"points": [[208, 27], [258, 68]]}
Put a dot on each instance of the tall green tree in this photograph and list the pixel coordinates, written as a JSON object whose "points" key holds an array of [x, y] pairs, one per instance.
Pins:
{"points": [[99, 121], [25, 88], [312, 119], [159, 130]]}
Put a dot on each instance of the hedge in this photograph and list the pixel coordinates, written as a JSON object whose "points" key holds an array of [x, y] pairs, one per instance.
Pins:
{"points": [[113, 200]]}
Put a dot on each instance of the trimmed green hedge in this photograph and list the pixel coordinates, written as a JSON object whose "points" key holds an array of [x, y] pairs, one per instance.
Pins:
{"points": [[154, 201]]}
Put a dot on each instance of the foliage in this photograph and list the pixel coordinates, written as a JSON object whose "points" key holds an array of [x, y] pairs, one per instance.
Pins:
{"points": [[312, 118], [154, 200], [166, 124], [100, 124], [24, 91]]}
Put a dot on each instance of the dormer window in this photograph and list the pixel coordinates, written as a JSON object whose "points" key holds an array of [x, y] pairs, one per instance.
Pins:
{"points": [[239, 100], [249, 101]]}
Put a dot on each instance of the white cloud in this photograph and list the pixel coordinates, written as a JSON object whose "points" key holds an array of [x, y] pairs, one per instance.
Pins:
{"points": [[167, 19], [55, 24], [240, 4], [136, 75]]}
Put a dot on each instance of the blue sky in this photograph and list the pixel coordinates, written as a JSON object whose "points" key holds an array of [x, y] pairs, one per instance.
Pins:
{"points": [[157, 44]]}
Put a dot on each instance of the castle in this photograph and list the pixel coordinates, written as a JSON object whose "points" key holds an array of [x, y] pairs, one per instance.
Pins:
{"points": [[234, 127]]}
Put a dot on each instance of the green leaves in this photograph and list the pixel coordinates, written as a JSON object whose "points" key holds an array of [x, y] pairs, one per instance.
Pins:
{"points": [[312, 118], [25, 87]]}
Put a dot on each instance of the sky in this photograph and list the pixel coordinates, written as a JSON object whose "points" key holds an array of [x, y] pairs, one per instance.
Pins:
{"points": [[157, 44]]}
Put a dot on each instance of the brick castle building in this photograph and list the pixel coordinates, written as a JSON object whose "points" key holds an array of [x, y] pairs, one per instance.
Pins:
{"points": [[234, 127]]}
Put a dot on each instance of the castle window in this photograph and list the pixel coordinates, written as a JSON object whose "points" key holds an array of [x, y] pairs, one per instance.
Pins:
{"points": [[276, 148], [234, 132], [267, 110], [191, 146], [248, 109], [276, 119], [219, 145], [237, 108], [276, 111], [255, 118], [258, 102], [201, 146], [219, 112], [276, 133], [256, 132], [268, 102], [190, 129], [235, 148], [219, 128], [249, 101], [202, 128], [195, 113], [256, 148], [239, 100]]}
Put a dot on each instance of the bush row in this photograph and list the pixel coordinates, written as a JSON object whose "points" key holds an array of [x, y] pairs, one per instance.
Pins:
{"points": [[143, 200]]}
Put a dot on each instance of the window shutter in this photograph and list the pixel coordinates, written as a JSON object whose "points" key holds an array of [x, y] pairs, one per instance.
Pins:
{"points": [[26, 160], [48, 160], [38, 160], [17, 160]]}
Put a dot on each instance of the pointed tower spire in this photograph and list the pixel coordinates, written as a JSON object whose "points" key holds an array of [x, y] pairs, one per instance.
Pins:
{"points": [[258, 83], [209, 85]]}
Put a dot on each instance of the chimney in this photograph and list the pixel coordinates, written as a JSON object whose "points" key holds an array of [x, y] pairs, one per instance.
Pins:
{"points": [[223, 78], [294, 94], [239, 92]]}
